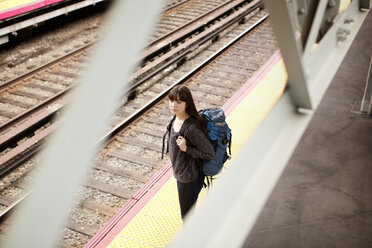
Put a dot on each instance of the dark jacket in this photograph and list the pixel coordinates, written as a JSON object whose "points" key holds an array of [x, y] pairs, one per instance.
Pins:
{"points": [[187, 165]]}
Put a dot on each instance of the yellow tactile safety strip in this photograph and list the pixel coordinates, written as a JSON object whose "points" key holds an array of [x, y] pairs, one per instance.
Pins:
{"points": [[8, 4], [159, 221], [156, 223]]}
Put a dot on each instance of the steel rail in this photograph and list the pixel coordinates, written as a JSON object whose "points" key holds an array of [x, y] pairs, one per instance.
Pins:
{"points": [[163, 43], [175, 5], [4, 142], [10, 209], [5, 85]]}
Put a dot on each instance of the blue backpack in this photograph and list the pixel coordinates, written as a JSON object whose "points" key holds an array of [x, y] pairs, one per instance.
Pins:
{"points": [[220, 137]]}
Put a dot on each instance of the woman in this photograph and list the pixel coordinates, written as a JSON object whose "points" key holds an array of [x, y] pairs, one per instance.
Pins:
{"points": [[188, 146]]}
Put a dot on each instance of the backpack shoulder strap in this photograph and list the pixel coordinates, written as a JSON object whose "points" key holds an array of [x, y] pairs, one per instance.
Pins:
{"points": [[169, 126]]}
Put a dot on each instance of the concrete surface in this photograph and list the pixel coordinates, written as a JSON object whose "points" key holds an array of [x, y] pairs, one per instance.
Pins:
{"points": [[324, 196]]}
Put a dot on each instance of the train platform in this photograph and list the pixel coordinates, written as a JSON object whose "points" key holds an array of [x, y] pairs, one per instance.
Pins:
{"points": [[152, 217], [323, 198], [10, 8]]}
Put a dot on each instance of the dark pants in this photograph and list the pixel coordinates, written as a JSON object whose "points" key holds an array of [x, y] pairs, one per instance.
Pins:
{"points": [[188, 194]]}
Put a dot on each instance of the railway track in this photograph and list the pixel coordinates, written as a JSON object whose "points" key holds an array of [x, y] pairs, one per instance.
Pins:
{"points": [[132, 154], [37, 96]]}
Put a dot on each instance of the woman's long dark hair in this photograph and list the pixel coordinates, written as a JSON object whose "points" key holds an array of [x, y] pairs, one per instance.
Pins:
{"points": [[182, 93]]}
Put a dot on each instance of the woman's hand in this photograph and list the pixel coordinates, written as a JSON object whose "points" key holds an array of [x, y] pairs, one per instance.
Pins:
{"points": [[181, 142]]}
